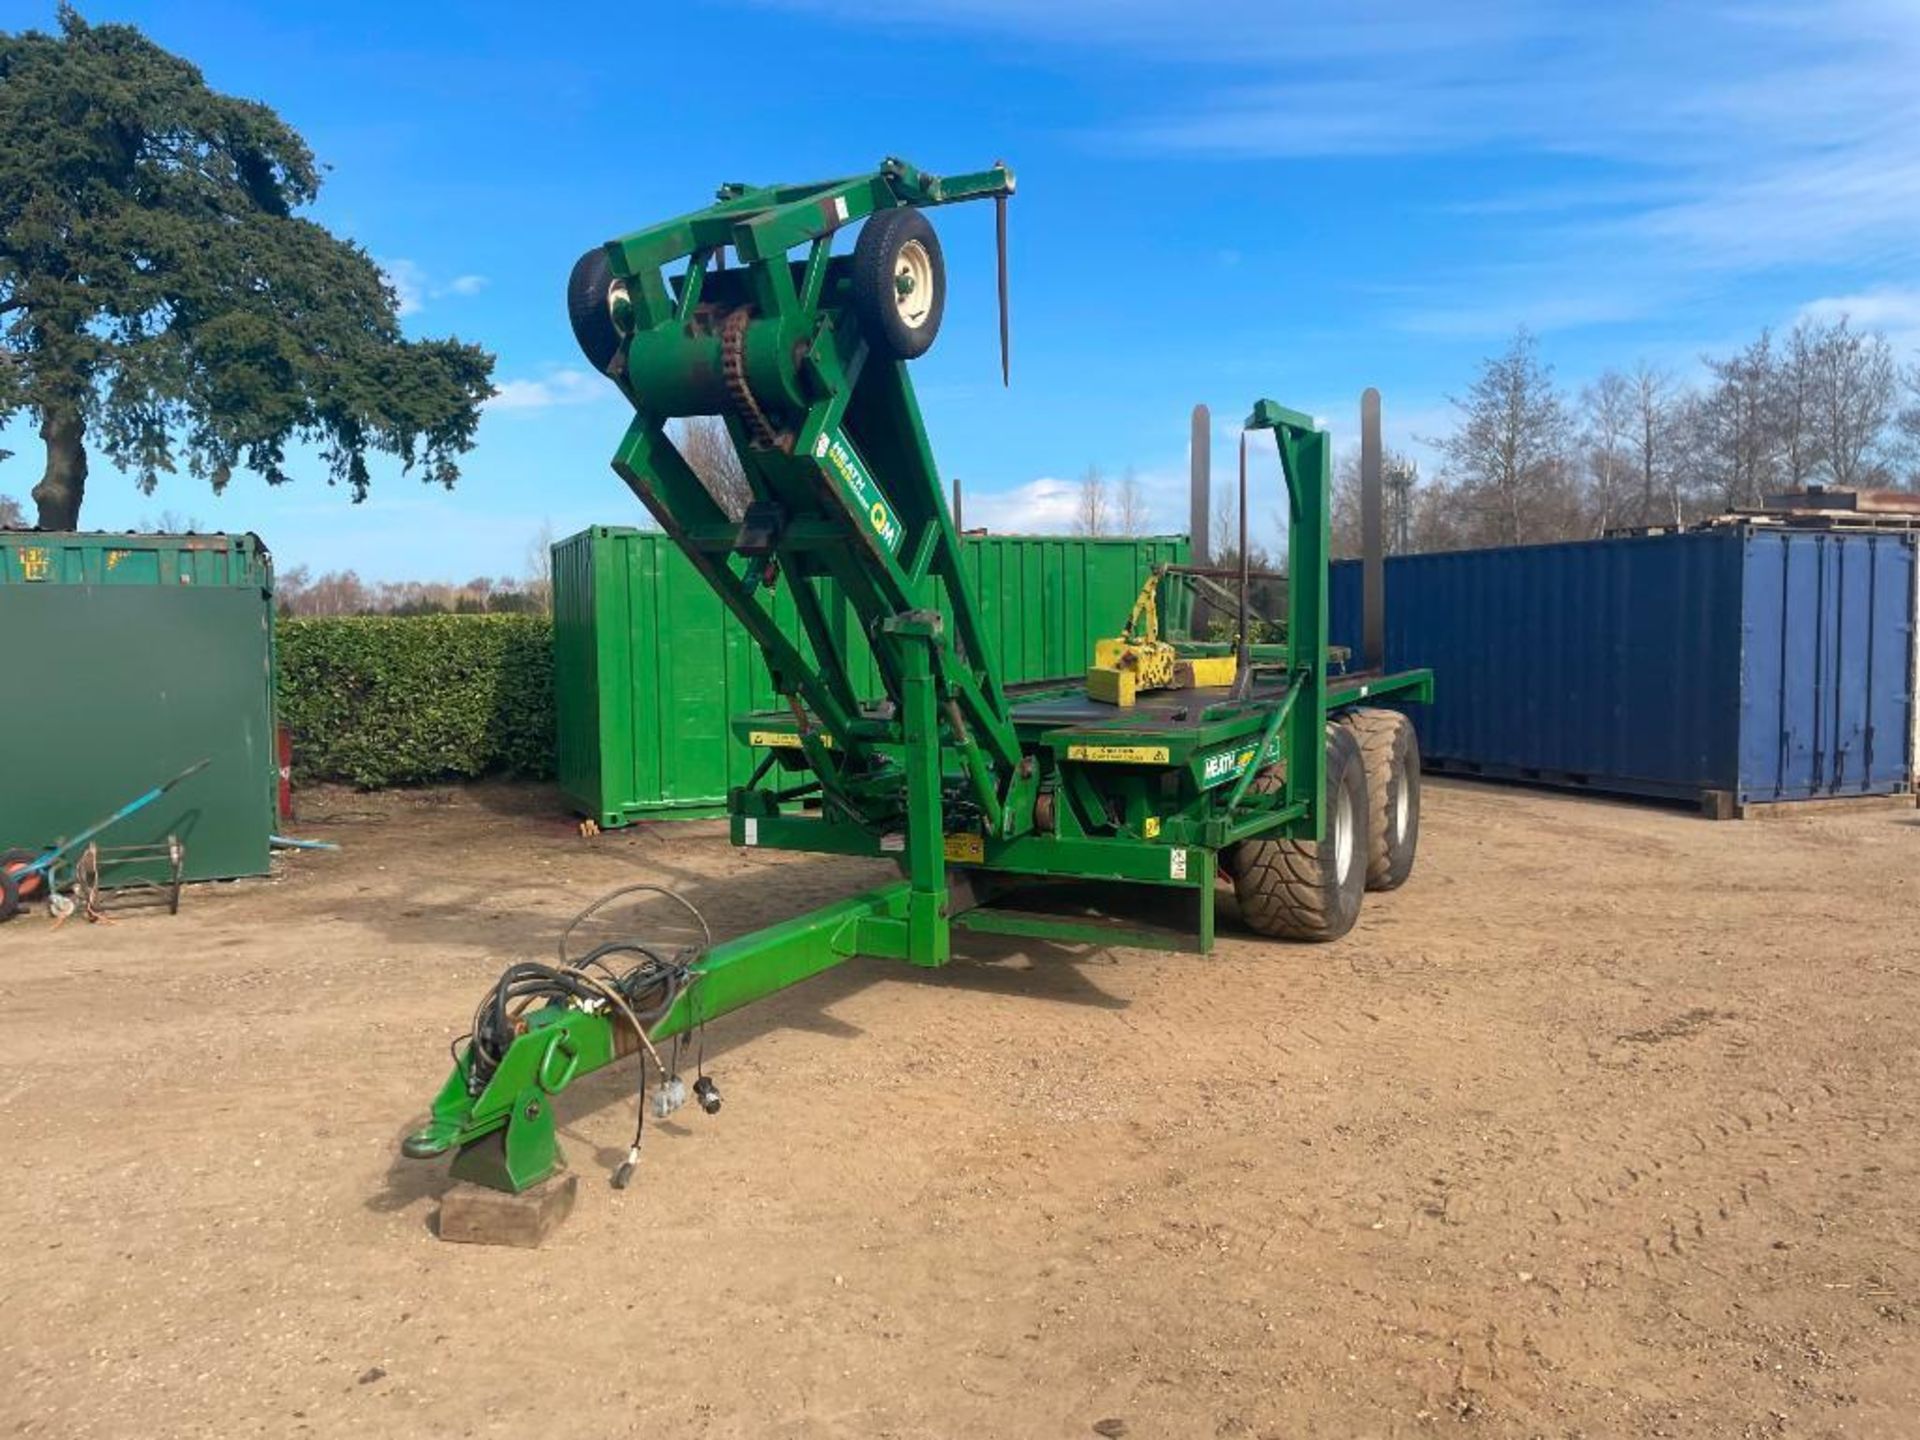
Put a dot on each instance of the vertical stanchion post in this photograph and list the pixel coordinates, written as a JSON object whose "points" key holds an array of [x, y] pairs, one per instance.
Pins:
{"points": [[1243, 663], [1200, 506], [1373, 536]]}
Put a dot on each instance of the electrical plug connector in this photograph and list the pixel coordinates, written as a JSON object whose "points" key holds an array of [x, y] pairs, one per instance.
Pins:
{"points": [[624, 1174], [671, 1095]]}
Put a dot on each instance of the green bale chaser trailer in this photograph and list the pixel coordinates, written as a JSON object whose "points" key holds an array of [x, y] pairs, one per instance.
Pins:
{"points": [[1266, 770]]}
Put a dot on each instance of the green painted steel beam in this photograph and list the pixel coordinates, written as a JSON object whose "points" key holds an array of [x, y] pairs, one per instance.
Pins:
{"points": [[562, 1043], [987, 921]]}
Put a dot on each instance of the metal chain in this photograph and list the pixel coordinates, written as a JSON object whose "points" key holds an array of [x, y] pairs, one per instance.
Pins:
{"points": [[733, 370]]}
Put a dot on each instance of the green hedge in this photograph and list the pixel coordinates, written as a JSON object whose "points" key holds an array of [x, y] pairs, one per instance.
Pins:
{"points": [[382, 700]]}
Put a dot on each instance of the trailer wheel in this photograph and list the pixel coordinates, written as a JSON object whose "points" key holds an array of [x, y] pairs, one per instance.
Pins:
{"points": [[899, 282], [1391, 752], [591, 293], [1302, 889]]}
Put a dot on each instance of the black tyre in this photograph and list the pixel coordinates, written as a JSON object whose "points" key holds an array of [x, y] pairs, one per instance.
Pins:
{"points": [[591, 291], [1391, 753], [1302, 889], [9, 896], [899, 282]]}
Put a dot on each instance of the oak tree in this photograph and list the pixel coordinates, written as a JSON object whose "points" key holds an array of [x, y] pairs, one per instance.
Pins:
{"points": [[163, 302]]}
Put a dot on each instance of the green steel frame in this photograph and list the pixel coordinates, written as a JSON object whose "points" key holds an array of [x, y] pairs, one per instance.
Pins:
{"points": [[976, 793]]}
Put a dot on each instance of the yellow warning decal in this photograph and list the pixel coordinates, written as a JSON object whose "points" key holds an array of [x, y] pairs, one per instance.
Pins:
{"points": [[1150, 828], [966, 845], [781, 740], [1119, 754]]}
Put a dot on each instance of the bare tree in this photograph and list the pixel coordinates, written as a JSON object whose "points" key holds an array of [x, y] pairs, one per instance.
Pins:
{"points": [[1506, 458], [1091, 506], [1224, 525], [339, 592], [1442, 520], [1399, 479], [1400, 474], [710, 453], [1657, 410], [1344, 522], [1793, 406], [1130, 505], [1910, 427], [1734, 430], [1606, 414], [298, 592], [540, 566], [1855, 391], [170, 522], [10, 513], [290, 589]]}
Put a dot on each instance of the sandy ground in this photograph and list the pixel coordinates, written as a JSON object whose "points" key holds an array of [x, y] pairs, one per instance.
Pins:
{"points": [[1607, 1125]]}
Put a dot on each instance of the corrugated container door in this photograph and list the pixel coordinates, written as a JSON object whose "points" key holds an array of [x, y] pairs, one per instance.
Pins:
{"points": [[690, 711], [1827, 666], [576, 674], [1890, 668], [144, 654], [1851, 585], [1871, 583], [1821, 669]]}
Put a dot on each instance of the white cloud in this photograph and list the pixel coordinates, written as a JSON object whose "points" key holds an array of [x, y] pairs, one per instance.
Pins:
{"points": [[1891, 307], [409, 282], [415, 287], [1674, 145], [1044, 506], [1050, 506], [562, 386], [1892, 310], [1685, 144]]}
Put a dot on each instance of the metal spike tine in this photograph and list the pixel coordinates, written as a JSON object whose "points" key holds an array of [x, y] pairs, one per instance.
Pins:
{"points": [[1000, 242], [1243, 668]]}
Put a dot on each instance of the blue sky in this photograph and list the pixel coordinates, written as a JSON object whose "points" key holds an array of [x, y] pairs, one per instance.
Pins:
{"points": [[1216, 202]]}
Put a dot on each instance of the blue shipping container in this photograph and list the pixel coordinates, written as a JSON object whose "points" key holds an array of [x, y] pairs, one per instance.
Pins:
{"points": [[1750, 664]]}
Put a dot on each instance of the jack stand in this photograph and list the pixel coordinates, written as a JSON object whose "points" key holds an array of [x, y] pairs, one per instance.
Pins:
{"points": [[519, 1156]]}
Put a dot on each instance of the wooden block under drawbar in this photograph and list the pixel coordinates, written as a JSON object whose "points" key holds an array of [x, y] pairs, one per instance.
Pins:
{"points": [[476, 1215]]}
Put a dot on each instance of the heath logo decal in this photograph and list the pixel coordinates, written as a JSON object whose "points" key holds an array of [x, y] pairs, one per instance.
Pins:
{"points": [[832, 451], [1225, 765], [1231, 764]]}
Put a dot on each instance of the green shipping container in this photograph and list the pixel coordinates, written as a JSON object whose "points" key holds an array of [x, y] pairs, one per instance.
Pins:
{"points": [[132, 657], [649, 667]]}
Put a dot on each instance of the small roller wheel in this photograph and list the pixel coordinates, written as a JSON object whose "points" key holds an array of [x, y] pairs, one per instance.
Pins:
{"points": [[899, 282], [26, 883], [1391, 752], [1305, 889], [592, 292]]}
